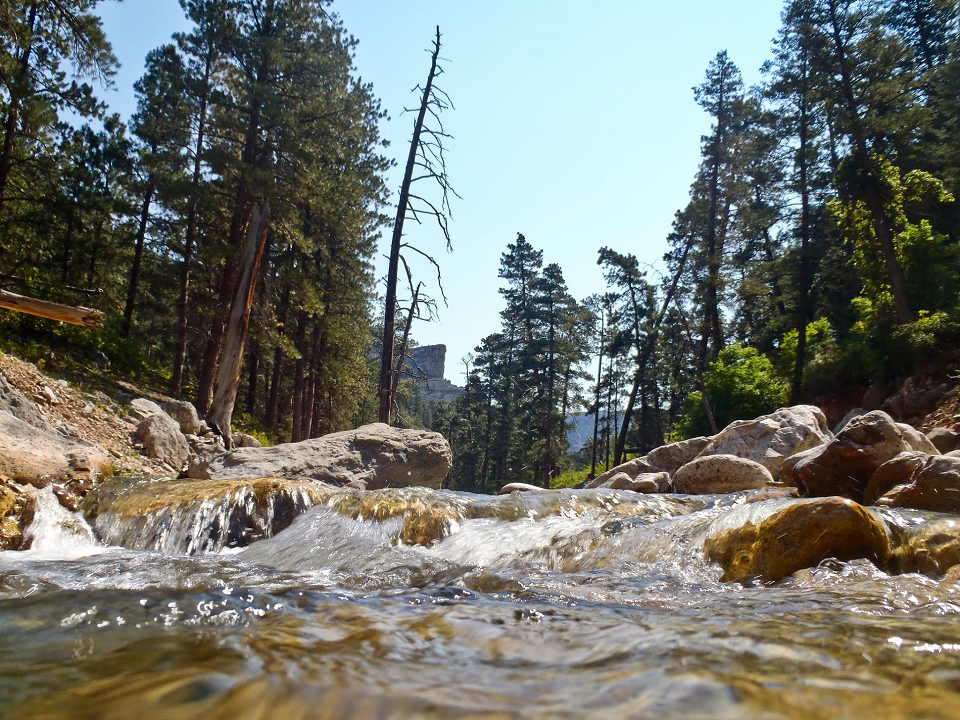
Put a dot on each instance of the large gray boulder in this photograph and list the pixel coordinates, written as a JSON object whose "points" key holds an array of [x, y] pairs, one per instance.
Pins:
{"points": [[720, 474], [944, 439], [917, 440], [670, 458], [845, 465], [370, 457], [34, 456], [185, 414], [771, 439], [162, 439], [141, 408]]}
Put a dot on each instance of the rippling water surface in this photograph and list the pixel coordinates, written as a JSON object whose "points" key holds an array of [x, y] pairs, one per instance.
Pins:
{"points": [[415, 603]]}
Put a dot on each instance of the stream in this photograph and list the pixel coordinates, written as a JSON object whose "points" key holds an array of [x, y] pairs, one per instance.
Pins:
{"points": [[435, 604]]}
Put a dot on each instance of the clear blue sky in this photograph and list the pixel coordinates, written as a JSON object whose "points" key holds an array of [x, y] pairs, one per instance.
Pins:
{"points": [[575, 123]]}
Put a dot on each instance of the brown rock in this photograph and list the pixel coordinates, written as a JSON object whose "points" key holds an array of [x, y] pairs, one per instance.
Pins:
{"points": [[37, 457], [642, 483], [720, 474], [931, 548], [944, 439], [631, 468], [917, 480], [799, 536], [917, 440], [16, 511], [519, 487], [845, 465]]}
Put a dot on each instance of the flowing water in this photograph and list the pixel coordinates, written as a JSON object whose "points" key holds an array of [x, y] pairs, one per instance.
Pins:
{"points": [[417, 603]]}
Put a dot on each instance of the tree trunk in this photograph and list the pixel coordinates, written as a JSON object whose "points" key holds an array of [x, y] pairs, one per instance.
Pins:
{"points": [[277, 369], [85, 316], [803, 309], [596, 415], [390, 306], [13, 111], [228, 373], [133, 284], [297, 431], [402, 355]]}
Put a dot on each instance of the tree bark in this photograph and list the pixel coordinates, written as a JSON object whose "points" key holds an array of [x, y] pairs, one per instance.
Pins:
{"points": [[88, 317], [390, 306], [133, 284], [297, 430], [228, 373]]}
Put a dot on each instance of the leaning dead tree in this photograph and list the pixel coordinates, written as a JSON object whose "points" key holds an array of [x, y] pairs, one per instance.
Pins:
{"points": [[238, 323], [421, 308], [425, 162]]}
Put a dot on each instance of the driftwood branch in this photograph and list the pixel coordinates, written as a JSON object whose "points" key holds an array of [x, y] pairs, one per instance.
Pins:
{"points": [[87, 317]]}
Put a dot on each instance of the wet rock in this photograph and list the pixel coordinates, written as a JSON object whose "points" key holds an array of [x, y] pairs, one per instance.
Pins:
{"points": [[36, 457], [720, 474], [799, 536], [185, 414], [917, 440], [163, 440], [771, 439], [519, 487], [190, 516], [672, 457], [631, 468], [845, 465], [141, 408], [16, 511], [786, 470], [370, 457], [944, 439], [931, 548], [917, 480]]}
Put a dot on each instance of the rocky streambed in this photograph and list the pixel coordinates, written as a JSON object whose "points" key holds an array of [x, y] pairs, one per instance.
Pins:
{"points": [[776, 570]]}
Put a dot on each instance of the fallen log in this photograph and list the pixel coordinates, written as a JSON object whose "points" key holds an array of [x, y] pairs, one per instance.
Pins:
{"points": [[87, 317]]}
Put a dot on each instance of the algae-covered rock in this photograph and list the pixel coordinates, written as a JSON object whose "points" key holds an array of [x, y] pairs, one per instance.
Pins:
{"points": [[845, 465], [191, 516], [16, 511], [917, 480], [931, 548], [720, 474], [771, 439], [370, 457], [799, 536]]}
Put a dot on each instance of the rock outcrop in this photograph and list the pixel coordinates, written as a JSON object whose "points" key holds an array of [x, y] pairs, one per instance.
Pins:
{"points": [[36, 457], [800, 536], [917, 480], [771, 439], [720, 474], [845, 465], [370, 457]]}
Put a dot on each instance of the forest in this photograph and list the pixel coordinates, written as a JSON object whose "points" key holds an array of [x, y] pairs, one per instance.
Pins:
{"points": [[817, 256]]}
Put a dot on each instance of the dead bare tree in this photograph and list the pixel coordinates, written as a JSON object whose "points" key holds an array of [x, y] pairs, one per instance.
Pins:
{"points": [[427, 159], [418, 304]]}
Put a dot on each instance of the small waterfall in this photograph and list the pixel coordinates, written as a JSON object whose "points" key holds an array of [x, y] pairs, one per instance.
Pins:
{"points": [[56, 532], [202, 524]]}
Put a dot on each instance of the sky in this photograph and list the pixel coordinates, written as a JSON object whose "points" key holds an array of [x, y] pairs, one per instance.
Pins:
{"points": [[574, 124]]}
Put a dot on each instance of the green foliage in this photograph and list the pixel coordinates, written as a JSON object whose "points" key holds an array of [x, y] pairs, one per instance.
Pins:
{"points": [[741, 384], [569, 478]]}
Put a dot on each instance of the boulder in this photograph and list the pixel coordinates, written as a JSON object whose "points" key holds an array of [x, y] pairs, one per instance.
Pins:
{"points": [[931, 548], [185, 414], [17, 404], [917, 480], [874, 398], [914, 403], [917, 440], [786, 470], [249, 441], [16, 511], [643, 483], [944, 439], [856, 412], [519, 487], [190, 516], [845, 465], [162, 439], [672, 457], [953, 453], [141, 408], [771, 439], [720, 474], [632, 468], [37, 457], [370, 457], [799, 536]]}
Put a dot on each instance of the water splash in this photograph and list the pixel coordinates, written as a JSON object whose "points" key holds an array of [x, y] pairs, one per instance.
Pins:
{"points": [[58, 533]]}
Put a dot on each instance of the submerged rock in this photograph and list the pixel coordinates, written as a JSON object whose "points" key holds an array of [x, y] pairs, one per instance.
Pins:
{"points": [[917, 480], [800, 536], [931, 548], [845, 465], [720, 474], [370, 457], [190, 516], [771, 439]]}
